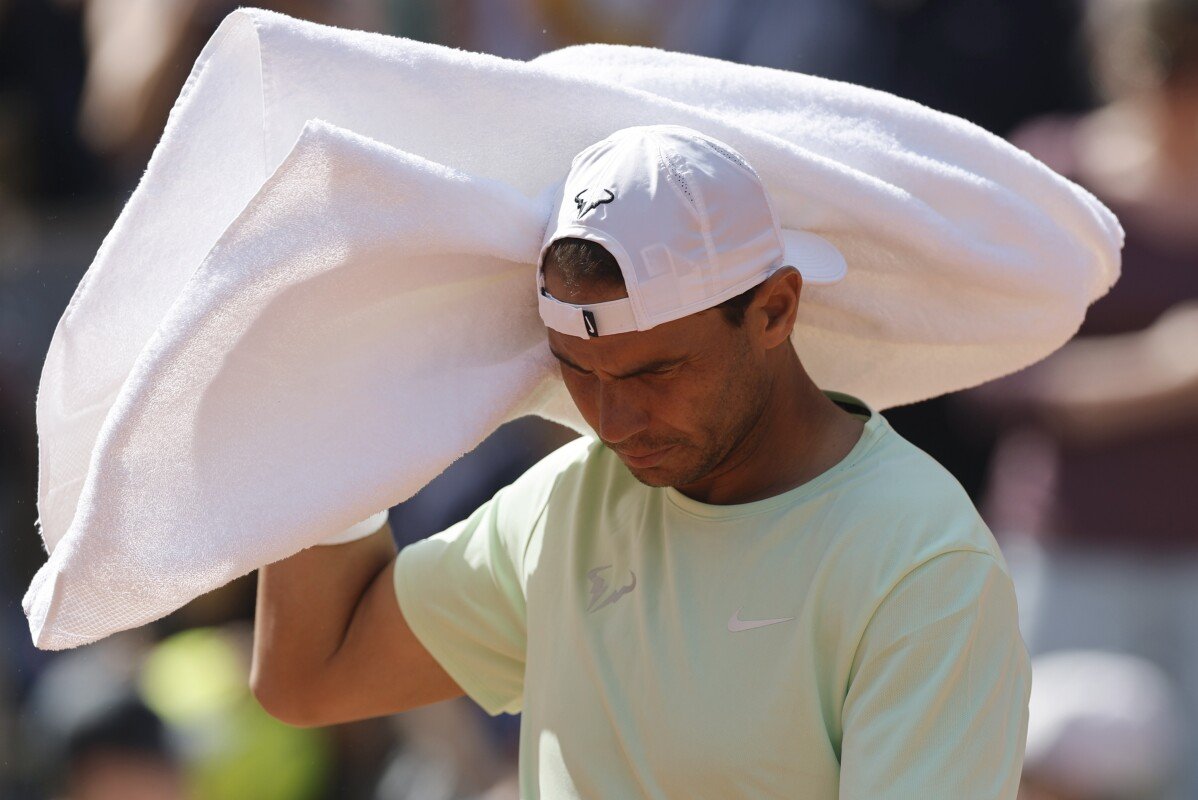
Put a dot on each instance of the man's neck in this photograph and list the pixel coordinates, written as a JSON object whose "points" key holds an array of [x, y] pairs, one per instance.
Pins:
{"points": [[800, 434]]}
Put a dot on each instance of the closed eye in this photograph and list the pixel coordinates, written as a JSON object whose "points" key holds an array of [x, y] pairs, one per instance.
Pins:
{"points": [[659, 368]]}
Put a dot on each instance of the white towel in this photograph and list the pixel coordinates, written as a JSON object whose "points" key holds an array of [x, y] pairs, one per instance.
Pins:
{"points": [[321, 292]]}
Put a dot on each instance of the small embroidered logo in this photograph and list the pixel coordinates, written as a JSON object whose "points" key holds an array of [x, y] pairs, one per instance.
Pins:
{"points": [[599, 586], [590, 199], [588, 319], [735, 623]]}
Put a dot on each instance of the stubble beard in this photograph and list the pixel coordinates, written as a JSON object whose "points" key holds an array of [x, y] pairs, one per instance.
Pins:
{"points": [[744, 402]]}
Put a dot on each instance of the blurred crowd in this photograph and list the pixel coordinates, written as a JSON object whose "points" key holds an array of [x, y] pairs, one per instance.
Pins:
{"points": [[1085, 465]]}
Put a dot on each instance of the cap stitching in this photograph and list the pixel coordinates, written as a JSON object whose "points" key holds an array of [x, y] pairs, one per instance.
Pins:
{"points": [[700, 207], [674, 176], [728, 154]]}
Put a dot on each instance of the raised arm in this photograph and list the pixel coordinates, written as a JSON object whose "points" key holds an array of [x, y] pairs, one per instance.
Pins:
{"points": [[330, 642]]}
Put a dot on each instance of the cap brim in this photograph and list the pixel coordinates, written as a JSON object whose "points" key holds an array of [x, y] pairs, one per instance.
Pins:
{"points": [[816, 259]]}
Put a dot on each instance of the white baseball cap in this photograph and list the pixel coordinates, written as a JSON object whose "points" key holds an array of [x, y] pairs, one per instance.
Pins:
{"points": [[688, 221]]}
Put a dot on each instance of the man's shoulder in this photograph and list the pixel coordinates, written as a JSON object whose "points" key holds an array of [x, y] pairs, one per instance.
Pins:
{"points": [[905, 507], [898, 512], [563, 463], [900, 475], [569, 466]]}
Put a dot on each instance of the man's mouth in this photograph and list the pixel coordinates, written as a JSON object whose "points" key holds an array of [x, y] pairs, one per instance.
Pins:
{"points": [[644, 459]]}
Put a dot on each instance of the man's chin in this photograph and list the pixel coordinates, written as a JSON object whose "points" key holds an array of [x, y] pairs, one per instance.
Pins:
{"points": [[666, 473], [652, 476]]}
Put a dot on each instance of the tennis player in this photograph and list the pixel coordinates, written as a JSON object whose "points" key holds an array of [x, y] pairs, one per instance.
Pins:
{"points": [[741, 586]]}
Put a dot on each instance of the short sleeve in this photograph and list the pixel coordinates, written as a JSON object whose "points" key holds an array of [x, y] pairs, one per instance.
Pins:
{"points": [[937, 704], [461, 593]]}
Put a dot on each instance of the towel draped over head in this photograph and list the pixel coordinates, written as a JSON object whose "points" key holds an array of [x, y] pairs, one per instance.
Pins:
{"points": [[321, 292]]}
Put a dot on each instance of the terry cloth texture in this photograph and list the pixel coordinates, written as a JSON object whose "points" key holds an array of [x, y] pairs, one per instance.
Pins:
{"points": [[321, 292]]}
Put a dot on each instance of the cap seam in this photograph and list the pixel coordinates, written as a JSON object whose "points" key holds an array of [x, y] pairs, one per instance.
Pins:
{"points": [[700, 207], [668, 168]]}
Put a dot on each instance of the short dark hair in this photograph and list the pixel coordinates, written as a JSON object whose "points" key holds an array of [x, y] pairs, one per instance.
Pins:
{"points": [[581, 262]]}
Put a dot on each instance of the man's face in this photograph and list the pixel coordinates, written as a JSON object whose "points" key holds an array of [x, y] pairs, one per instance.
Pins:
{"points": [[672, 402]]}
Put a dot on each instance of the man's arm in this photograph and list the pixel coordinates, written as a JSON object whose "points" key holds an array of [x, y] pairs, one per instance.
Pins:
{"points": [[938, 693], [1099, 388], [330, 642]]}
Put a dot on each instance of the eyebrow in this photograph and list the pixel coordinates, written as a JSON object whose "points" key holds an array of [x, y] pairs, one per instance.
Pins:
{"points": [[652, 366]]}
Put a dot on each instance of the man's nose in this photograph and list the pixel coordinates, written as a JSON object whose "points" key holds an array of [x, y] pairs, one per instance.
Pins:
{"points": [[622, 412]]}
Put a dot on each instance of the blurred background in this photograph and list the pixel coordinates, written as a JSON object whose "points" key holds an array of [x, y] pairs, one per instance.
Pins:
{"points": [[1085, 465]]}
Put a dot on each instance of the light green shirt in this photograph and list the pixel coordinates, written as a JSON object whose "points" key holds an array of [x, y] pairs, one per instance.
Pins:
{"points": [[853, 637]]}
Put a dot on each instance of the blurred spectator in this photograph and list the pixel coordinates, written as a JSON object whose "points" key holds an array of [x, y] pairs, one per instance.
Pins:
{"points": [[141, 51], [995, 62], [42, 65], [122, 754], [1101, 726], [524, 29], [85, 732], [1092, 484], [170, 719], [198, 681]]}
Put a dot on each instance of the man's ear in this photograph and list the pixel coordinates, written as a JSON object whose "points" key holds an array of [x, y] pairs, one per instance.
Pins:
{"points": [[777, 304]]}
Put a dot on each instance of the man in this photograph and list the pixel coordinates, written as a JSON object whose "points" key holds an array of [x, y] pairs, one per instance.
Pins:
{"points": [[742, 586]]}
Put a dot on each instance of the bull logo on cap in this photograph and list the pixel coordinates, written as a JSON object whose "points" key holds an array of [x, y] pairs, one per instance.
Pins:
{"points": [[590, 199]]}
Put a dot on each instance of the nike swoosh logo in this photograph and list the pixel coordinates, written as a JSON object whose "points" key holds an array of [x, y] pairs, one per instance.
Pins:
{"points": [[735, 623]]}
